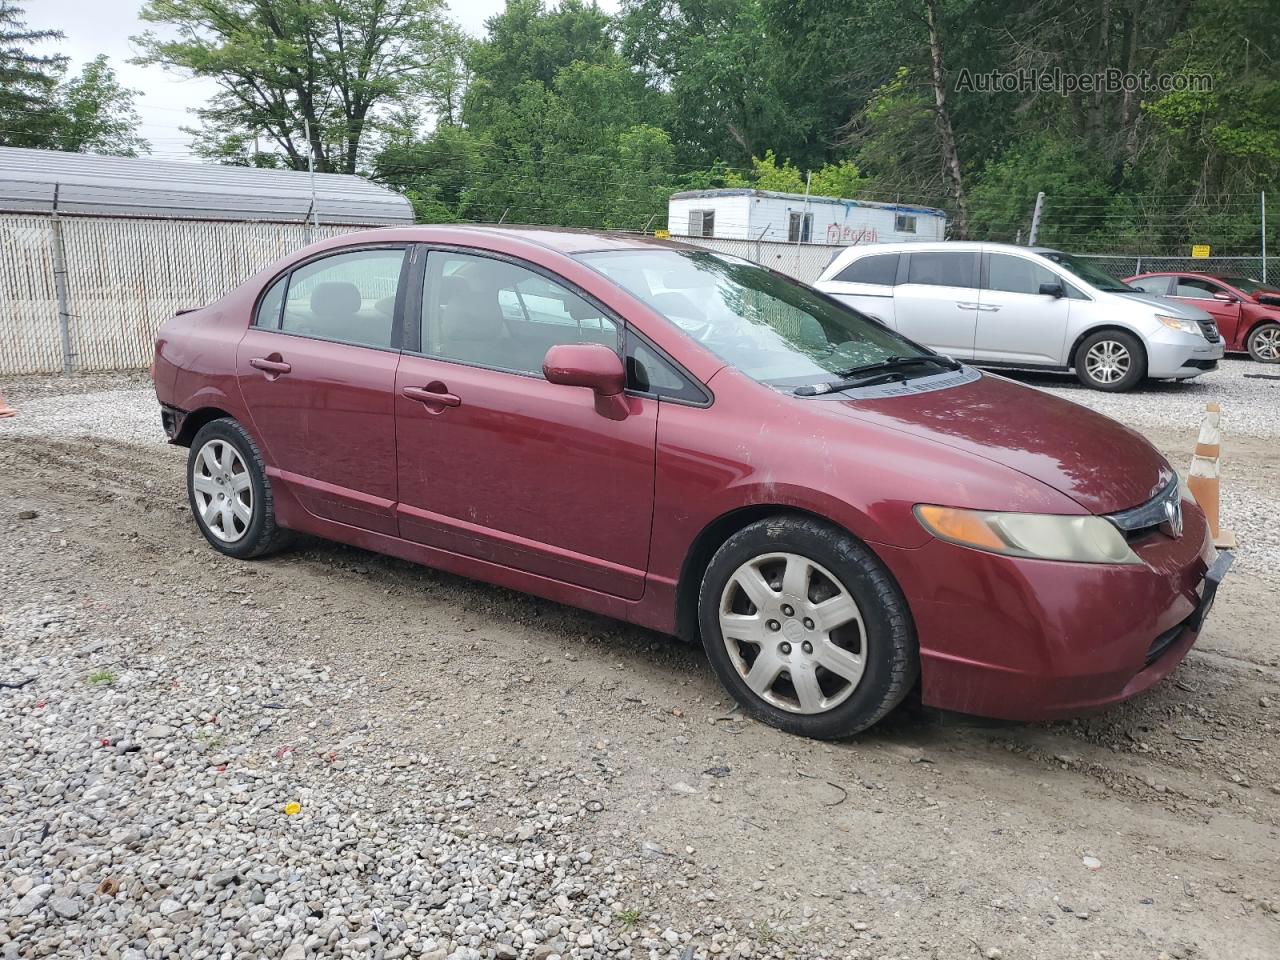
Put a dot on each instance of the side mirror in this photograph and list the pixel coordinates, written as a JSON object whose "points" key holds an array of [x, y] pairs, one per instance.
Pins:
{"points": [[1225, 297], [1055, 290], [591, 365]]}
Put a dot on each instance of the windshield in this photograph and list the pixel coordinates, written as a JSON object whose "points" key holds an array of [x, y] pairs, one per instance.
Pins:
{"points": [[773, 329], [1090, 274], [1247, 285]]}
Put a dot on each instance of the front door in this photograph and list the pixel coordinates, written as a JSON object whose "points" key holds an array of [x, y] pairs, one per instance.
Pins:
{"points": [[936, 300], [498, 464], [1202, 293], [317, 372], [1017, 323]]}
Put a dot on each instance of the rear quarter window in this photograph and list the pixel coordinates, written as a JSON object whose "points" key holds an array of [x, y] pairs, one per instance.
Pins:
{"points": [[880, 268]]}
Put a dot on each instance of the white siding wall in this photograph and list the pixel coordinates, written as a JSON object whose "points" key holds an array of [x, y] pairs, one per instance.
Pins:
{"points": [[834, 222], [838, 223], [731, 215]]}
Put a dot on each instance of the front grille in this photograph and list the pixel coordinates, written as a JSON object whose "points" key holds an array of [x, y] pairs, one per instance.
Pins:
{"points": [[1153, 515], [1210, 330], [1202, 364]]}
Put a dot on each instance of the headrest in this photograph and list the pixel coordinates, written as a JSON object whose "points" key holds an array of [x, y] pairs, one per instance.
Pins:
{"points": [[466, 314], [335, 300]]}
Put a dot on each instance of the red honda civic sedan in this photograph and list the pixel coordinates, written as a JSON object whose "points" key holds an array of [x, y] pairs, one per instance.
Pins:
{"points": [[699, 445]]}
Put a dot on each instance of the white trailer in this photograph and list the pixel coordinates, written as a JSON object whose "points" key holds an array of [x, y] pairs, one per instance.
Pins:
{"points": [[740, 214]]}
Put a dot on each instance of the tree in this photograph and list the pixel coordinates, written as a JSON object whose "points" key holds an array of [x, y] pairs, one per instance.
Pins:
{"points": [[27, 79], [93, 113], [308, 77]]}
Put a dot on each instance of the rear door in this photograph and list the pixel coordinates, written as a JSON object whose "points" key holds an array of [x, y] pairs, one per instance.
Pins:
{"points": [[504, 466], [317, 371], [1202, 293], [1016, 322], [867, 285], [935, 301]]}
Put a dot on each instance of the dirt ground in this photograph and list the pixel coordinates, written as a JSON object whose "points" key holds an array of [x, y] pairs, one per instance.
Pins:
{"points": [[932, 836]]}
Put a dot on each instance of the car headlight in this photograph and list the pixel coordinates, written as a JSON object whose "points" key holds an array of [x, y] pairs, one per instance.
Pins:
{"points": [[1177, 323], [1042, 536]]}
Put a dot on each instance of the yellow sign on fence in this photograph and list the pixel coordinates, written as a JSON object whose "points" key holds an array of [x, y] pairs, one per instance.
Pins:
{"points": [[1199, 250], [662, 234]]}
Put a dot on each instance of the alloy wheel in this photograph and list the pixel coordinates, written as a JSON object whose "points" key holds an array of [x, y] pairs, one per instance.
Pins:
{"points": [[1108, 361], [793, 632], [1266, 344], [223, 490]]}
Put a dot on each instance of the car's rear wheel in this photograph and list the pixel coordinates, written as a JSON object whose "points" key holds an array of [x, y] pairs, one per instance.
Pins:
{"points": [[230, 493], [1110, 360], [1264, 343], [806, 627]]}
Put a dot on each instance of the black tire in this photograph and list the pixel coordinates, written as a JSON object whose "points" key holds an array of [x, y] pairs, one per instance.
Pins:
{"points": [[261, 535], [1137, 361], [1262, 343], [888, 645]]}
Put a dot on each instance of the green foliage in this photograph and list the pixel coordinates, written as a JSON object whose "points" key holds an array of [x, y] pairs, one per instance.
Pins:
{"points": [[95, 114], [289, 66]]}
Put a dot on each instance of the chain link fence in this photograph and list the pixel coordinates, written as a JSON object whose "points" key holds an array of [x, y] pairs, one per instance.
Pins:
{"points": [[124, 277], [804, 261], [1121, 266]]}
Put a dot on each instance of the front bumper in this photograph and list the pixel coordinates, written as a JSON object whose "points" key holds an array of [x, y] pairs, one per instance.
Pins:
{"points": [[1034, 640], [1174, 355]]}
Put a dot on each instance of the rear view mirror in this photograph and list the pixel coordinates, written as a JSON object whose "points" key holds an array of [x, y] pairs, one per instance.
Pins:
{"points": [[1054, 290], [1224, 297]]}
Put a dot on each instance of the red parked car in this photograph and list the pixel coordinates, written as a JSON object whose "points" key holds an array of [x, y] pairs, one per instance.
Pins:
{"points": [[696, 444], [1247, 311]]}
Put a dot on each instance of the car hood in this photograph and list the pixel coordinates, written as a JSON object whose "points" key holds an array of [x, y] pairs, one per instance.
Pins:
{"points": [[1097, 462], [1165, 305]]}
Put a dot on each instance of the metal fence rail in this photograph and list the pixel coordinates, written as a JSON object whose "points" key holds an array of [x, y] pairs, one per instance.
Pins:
{"points": [[124, 278]]}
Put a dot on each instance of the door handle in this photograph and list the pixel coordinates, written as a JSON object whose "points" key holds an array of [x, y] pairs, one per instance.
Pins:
{"points": [[267, 365], [428, 395], [989, 307], [966, 306]]}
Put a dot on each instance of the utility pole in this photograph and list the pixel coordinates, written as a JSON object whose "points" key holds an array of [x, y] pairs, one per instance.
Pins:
{"points": [[1264, 236], [1035, 219]]}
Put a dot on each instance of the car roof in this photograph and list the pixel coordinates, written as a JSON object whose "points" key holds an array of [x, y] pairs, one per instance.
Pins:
{"points": [[567, 240]]}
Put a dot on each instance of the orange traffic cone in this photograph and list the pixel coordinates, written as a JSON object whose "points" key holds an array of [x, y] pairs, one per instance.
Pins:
{"points": [[5, 409], [1203, 476]]}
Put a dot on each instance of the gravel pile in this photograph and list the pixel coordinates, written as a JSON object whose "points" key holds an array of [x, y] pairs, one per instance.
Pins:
{"points": [[169, 806]]}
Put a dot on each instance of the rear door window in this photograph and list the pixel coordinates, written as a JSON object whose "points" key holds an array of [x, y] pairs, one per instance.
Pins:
{"points": [[349, 297], [881, 268], [942, 269]]}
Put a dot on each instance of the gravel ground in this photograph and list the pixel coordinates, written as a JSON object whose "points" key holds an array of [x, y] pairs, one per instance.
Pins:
{"points": [[481, 775]]}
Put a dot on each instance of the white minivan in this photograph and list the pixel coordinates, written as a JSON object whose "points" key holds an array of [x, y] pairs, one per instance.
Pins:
{"points": [[999, 305]]}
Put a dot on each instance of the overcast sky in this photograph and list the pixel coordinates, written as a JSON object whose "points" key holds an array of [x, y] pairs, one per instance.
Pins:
{"points": [[104, 26]]}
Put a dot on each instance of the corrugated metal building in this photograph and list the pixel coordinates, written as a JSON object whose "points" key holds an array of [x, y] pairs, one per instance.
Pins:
{"points": [[143, 238]]}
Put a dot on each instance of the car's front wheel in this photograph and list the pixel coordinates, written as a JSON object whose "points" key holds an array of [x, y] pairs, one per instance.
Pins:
{"points": [[1110, 360], [1264, 343], [806, 627], [230, 492]]}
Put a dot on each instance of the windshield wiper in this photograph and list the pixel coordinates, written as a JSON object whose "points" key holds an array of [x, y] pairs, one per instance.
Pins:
{"points": [[894, 363], [873, 374]]}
